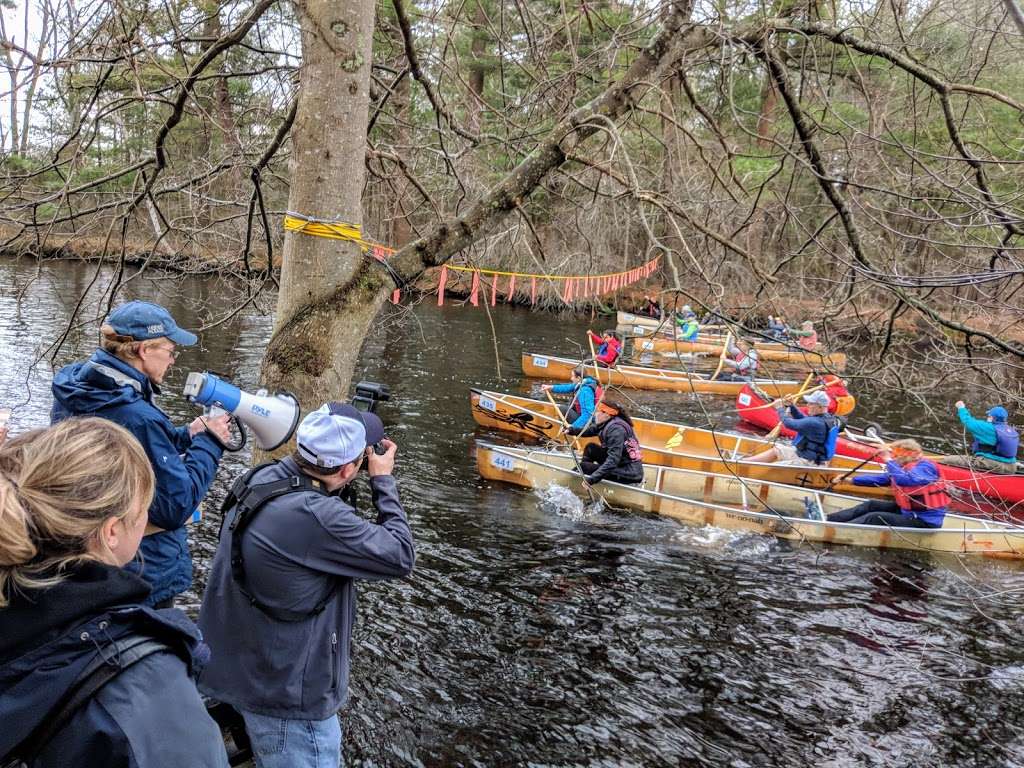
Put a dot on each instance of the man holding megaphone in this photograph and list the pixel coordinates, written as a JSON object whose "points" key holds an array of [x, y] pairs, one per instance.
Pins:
{"points": [[138, 344], [279, 607]]}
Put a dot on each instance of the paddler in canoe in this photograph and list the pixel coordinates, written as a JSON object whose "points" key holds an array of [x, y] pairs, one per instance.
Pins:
{"points": [[618, 456], [994, 445], [806, 337], [816, 433], [608, 349], [650, 308], [687, 325], [585, 391], [742, 362], [777, 328], [920, 492]]}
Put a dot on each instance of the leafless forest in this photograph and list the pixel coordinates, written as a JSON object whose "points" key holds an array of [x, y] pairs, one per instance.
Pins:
{"points": [[856, 163]]}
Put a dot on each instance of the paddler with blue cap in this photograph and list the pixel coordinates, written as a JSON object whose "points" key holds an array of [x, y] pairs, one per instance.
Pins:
{"points": [[994, 445]]}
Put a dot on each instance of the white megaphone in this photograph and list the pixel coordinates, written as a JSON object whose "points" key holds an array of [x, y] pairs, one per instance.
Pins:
{"points": [[272, 419]]}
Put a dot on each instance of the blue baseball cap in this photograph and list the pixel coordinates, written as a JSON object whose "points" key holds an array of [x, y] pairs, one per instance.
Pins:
{"points": [[143, 320], [998, 413]]}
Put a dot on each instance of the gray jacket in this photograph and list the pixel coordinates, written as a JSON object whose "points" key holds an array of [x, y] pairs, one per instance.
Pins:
{"points": [[298, 548]]}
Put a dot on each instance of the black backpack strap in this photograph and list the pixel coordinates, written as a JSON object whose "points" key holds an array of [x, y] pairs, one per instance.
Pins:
{"points": [[108, 664], [248, 501]]}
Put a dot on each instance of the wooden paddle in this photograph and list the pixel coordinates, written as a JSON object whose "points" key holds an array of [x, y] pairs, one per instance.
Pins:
{"points": [[561, 417], [774, 434], [721, 357], [575, 440], [593, 356], [836, 481]]}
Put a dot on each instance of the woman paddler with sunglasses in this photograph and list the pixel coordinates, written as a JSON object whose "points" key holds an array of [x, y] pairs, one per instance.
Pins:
{"points": [[138, 344], [618, 457]]}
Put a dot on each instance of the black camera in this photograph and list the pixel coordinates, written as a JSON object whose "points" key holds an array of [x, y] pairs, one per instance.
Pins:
{"points": [[368, 395]]}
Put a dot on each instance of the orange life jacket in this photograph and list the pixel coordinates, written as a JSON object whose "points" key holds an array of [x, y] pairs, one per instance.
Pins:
{"points": [[917, 498]]}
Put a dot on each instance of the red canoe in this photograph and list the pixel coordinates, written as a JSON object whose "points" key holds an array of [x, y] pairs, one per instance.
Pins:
{"points": [[1009, 488]]}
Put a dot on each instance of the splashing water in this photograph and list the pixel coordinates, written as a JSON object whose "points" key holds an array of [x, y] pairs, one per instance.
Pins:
{"points": [[719, 539], [1009, 679], [561, 501]]}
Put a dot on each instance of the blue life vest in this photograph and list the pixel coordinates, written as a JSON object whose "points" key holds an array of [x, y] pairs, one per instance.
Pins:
{"points": [[1007, 442], [823, 452]]}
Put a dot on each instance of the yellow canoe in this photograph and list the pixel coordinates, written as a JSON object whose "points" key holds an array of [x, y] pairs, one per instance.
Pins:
{"points": [[633, 323], [639, 377], [834, 361], [673, 445], [723, 501]]}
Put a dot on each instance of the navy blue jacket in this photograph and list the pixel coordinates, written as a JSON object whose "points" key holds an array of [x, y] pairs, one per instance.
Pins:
{"points": [[300, 548], [184, 466], [149, 715], [811, 432]]}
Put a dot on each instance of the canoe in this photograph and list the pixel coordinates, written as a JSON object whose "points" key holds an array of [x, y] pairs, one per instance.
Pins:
{"points": [[834, 361], [1009, 488], [643, 321], [671, 445], [723, 501], [639, 377], [667, 332]]}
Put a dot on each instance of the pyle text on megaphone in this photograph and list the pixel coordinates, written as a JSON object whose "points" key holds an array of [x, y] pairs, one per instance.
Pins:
{"points": [[271, 418]]}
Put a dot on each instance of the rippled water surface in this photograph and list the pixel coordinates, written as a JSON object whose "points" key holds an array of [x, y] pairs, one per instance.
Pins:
{"points": [[540, 631]]}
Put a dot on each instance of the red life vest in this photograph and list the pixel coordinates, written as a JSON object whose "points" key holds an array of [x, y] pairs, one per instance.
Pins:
{"points": [[611, 353], [920, 497], [809, 342]]}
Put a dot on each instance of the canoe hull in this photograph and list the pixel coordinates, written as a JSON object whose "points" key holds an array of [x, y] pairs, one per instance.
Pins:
{"points": [[1009, 488], [635, 377], [713, 503], [708, 452], [834, 361]]}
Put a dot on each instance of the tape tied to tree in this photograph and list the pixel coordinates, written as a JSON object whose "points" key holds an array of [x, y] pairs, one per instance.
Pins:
{"points": [[574, 286], [339, 230]]}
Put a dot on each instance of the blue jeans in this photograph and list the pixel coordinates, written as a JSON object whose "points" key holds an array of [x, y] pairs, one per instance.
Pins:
{"points": [[281, 743]]}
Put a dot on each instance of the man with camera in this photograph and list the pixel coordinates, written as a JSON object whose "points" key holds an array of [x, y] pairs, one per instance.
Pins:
{"points": [[279, 607]]}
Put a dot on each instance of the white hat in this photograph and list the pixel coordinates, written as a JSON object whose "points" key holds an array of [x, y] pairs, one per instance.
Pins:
{"points": [[818, 398], [330, 439]]}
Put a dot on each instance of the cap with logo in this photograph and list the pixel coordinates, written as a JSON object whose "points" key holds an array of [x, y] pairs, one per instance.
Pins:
{"points": [[144, 320], [336, 434], [998, 414], [818, 398]]}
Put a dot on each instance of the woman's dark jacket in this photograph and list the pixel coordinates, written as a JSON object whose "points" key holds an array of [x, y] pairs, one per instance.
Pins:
{"points": [[148, 715]]}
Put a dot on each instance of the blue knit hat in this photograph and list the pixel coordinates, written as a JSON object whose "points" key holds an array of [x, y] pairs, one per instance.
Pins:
{"points": [[998, 414]]}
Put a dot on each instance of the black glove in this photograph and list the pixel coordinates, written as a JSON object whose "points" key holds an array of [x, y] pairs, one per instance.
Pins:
{"points": [[590, 480]]}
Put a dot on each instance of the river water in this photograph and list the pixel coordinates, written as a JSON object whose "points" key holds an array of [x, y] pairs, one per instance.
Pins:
{"points": [[538, 632]]}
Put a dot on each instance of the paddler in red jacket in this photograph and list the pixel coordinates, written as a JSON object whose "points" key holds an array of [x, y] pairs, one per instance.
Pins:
{"points": [[610, 345], [920, 492]]}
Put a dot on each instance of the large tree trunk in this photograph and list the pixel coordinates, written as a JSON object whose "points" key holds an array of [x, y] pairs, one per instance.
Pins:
{"points": [[330, 292]]}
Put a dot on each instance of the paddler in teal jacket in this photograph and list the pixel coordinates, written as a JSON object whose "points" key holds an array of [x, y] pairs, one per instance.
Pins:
{"points": [[994, 446], [586, 392]]}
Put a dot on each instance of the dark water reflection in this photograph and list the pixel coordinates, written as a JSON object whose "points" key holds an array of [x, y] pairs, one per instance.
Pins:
{"points": [[533, 637]]}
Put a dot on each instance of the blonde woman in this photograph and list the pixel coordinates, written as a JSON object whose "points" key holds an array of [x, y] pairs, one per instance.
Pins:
{"points": [[139, 343], [73, 501]]}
